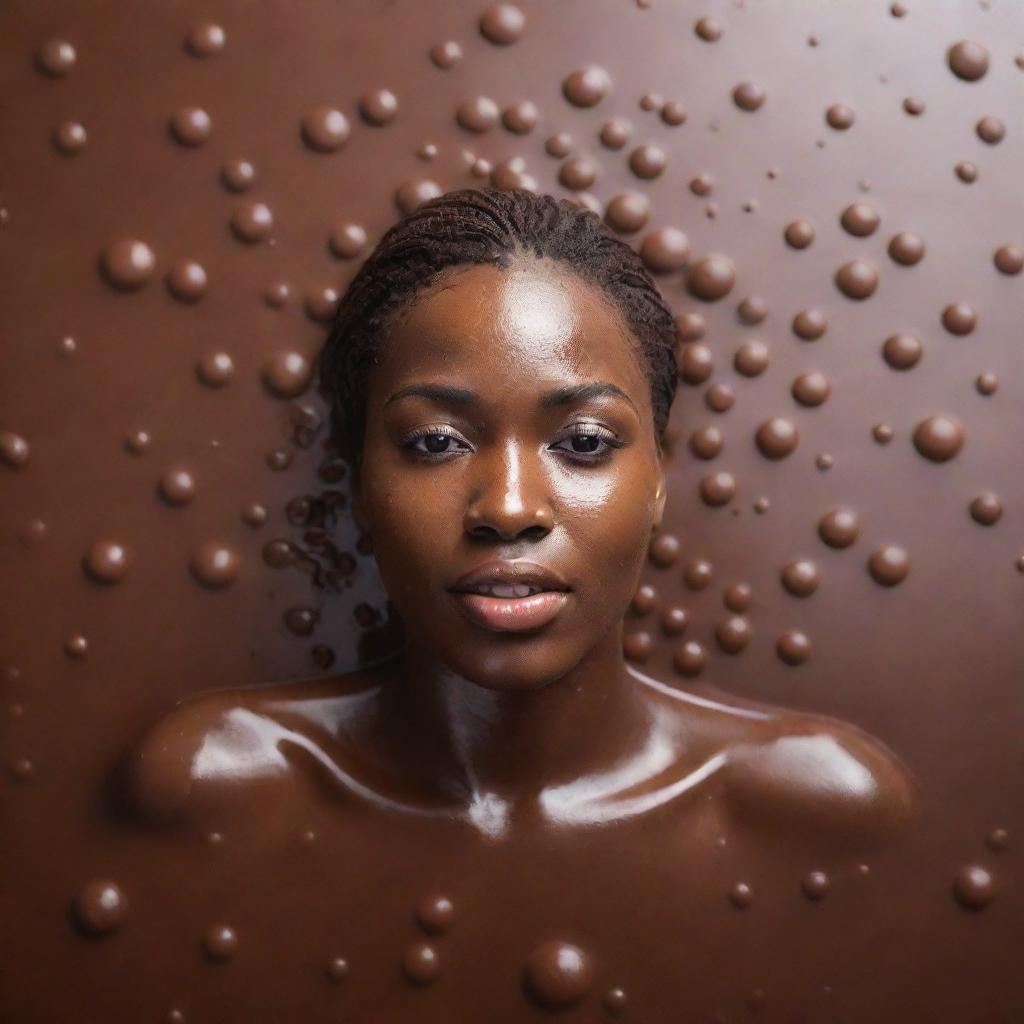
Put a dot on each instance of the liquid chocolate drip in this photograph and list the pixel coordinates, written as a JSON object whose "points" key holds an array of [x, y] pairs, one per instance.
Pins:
{"points": [[830, 200]]}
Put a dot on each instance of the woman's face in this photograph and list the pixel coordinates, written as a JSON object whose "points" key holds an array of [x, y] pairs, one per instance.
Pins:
{"points": [[450, 482]]}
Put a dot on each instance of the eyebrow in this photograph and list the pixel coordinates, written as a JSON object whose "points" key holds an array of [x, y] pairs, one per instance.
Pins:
{"points": [[445, 394]]}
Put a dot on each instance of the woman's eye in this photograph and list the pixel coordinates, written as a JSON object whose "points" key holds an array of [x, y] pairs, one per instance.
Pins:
{"points": [[591, 445], [431, 443]]}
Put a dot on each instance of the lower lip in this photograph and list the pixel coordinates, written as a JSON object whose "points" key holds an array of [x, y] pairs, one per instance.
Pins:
{"points": [[512, 614]]}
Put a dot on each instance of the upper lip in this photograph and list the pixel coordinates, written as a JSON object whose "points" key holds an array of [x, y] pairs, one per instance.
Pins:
{"points": [[510, 572]]}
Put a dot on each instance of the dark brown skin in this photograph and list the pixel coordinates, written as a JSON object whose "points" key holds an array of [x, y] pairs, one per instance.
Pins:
{"points": [[524, 732]]}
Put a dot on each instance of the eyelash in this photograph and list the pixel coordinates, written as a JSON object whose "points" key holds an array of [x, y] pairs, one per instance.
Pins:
{"points": [[606, 436]]}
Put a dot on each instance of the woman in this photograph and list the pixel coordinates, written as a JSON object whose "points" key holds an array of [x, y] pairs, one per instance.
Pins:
{"points": [[500, 374]]}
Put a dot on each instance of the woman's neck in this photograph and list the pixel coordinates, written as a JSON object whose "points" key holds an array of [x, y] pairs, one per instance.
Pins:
{"points": [[512, 745]]}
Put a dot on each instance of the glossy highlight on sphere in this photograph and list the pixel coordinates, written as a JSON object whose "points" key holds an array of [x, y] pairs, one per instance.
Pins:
{"points": [[100, 907], [214, 565], [502, 24], [586, 87], [107, 561], [325, 129], [939, 438], [558, 975], [127, 263]]}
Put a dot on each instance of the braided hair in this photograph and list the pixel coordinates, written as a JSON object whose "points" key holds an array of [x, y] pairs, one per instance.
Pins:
{"points": [[486, 226]]}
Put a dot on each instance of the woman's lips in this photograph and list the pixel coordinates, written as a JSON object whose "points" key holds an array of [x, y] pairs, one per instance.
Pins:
{"points": [[511, 614]]}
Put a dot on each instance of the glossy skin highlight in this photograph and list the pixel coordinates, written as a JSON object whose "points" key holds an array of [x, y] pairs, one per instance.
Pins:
{"points": [[469, 456]]}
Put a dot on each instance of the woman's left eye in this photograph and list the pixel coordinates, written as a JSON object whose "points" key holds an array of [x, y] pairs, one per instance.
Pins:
{"points": [[588, 443]]}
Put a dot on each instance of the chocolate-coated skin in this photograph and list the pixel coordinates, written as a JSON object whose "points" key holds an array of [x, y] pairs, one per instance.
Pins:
{"points": [[291, 897], [538, 730]]}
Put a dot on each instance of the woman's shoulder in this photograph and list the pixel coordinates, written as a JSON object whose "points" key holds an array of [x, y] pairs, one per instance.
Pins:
{"points": [[802, 772], [813, 773], [211, 747]]}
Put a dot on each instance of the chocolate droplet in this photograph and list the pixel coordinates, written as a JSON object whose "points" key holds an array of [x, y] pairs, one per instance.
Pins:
{"points": [[793, 647], [857, 279], [252, 222], [177, 486], [70, 137], [859, 219], [706, 442], [967, 60], [889, 565], [741, 895], [627, 212], [718, 489], [287, 374], [558, 974], [337, 969], [215, 369], [974, 887], [689, 659], [733, 634], [56, 57], [127, 263], [502, 24], [939, 438], [799, 234], [811, 388], [986, 509], [647, 161], [1009, 259], [665, 250], [421, 963], [839, 116], [990, 130], [220, 943], [586, 87], [902, 351], [107, 561], [325, 129], [801, 578], [751, 358], [238, 175], [839, 528], [815, 885], [776, 438], [748, 96], [191, 126], [348, 240], [708, 29], [412, 194], [14, 450], [206, 40], [711, 277], [959, 318], [378, 107], [446, 55], [478, 114], [907, 248], [435, 913], [100, 907], [521, 118], [214, 565], [186, 281]]}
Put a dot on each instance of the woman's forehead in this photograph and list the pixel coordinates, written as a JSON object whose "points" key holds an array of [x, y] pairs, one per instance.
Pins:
{"points": [[533, 315]]}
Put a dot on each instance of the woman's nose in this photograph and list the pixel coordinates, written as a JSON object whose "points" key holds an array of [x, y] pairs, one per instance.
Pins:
{"points": [[511, 496]]}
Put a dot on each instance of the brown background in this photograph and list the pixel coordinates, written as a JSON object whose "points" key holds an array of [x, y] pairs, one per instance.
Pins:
{"points": [[932, 667]]}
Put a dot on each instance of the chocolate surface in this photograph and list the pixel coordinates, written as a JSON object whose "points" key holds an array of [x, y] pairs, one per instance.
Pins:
{"points": [[830, 198]]}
